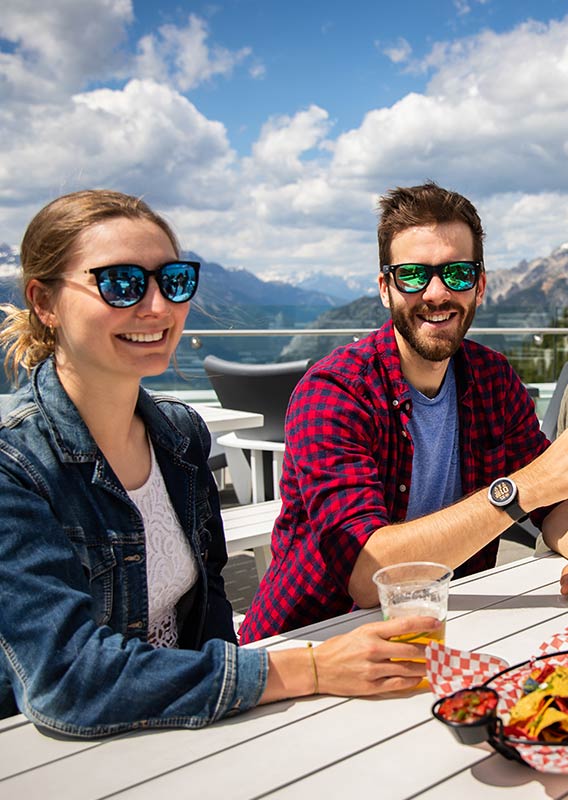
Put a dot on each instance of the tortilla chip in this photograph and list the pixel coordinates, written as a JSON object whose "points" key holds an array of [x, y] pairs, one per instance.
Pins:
{"points": [[530, 706], [551, 716], [557, 682], [537, 713]]}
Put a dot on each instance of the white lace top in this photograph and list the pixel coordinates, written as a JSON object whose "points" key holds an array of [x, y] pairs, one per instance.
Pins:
{"points": [[170, 564]]}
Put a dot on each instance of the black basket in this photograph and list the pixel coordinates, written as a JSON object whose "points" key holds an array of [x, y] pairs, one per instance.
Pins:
{"points": [[490, 728]]}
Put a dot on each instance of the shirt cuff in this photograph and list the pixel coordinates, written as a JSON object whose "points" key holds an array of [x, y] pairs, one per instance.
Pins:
{"points": [[245, 679]]}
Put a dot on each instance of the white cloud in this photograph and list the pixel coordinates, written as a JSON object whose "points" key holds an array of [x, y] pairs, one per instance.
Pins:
{"points": [[523, 225], [59, 45], [183, 55], [462, 7], [240, 237], [284, 140], [492, 123], [493, 119], [145, 139], [257, 71], [398, 52]]}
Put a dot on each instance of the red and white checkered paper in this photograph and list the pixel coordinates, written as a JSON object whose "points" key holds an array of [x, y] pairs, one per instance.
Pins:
{"points": [[449, 670]]}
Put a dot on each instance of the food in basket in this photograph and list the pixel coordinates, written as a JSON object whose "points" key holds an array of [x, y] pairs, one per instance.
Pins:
{"points": [[541, 713]]}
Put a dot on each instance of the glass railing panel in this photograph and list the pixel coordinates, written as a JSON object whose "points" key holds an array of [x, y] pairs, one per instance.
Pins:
{"points": [[537, 354]]}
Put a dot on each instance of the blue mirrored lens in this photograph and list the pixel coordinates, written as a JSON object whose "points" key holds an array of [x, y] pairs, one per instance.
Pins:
{"points": [[122, 286], [178, 281]]}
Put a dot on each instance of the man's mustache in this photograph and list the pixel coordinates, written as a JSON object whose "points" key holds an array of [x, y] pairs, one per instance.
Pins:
{"points": [[441, 309]]}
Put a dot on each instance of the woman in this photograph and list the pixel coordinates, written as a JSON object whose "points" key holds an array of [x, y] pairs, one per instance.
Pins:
{"points": [[113, 614]]}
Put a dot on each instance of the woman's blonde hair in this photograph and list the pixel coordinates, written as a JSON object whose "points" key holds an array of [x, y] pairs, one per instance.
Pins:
{"points": [[47, 246]]}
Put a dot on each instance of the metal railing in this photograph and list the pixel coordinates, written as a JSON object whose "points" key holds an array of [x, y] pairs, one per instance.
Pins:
{"points": [[206, 332]]}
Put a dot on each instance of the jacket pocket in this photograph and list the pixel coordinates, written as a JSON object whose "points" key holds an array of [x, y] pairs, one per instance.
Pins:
{"points": [[98, 562]]}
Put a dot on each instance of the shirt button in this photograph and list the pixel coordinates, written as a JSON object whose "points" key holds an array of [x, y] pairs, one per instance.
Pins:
{"points": [[402, 487], [404, 433], [395, 403]]}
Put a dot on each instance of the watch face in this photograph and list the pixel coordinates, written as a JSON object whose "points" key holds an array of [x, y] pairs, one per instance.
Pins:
{"points": [[503, 491]]}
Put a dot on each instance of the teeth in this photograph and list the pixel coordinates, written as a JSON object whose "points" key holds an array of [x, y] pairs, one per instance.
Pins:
{"points": [[142, 337], [437, 317]]}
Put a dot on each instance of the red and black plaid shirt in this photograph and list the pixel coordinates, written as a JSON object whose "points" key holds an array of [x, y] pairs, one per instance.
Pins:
{"points": [[348, 467]]}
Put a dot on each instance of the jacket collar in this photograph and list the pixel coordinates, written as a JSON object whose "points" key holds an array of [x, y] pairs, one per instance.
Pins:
{"points": [[68, 430]]}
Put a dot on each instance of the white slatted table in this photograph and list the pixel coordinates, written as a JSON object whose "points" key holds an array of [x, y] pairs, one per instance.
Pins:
{"points": [[220, 419], [321, 747]]}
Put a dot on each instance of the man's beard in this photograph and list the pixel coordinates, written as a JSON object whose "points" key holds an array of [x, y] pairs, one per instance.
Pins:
{"points": [[433, 347]]}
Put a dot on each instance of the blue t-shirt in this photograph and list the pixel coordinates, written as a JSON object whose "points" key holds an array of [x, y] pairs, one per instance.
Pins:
{"points": [[436, 476]]}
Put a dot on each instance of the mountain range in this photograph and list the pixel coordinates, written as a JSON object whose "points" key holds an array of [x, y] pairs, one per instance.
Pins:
{"points": [[237, 297], [533, 293]]}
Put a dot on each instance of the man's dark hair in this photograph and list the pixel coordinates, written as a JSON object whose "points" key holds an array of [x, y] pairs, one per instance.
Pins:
{"points": [[428, 204]]}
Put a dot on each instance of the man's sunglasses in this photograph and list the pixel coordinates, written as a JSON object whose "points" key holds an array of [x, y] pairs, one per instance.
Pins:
{"points": [[124, 285], [459, 276]]}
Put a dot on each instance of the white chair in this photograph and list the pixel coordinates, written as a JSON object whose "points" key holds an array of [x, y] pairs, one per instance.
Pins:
{"points": [[254, 455], [250, 527], [249, 479]]}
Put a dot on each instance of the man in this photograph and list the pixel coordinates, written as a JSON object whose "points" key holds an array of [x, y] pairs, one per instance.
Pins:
{"points": [[112, 288], [412, 444]]}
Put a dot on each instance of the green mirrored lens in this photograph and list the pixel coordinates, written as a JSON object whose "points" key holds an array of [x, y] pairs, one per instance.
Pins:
{"points": [[412, 277], [459, 276]]}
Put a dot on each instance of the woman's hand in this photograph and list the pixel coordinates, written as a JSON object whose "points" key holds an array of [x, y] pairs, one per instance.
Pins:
{"points": [[359, 663], [353, 664]]}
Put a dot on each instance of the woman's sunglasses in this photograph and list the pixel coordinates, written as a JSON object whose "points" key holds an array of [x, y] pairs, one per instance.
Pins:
{"points": [[124, 285], [459, 276]]}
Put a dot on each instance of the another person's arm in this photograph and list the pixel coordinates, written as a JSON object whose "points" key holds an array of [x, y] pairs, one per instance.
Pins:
{"points": [[555, 534], [563, 413]]}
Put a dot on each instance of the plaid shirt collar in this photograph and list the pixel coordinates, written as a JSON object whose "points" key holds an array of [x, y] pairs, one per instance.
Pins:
{"points": [[387, 348]]}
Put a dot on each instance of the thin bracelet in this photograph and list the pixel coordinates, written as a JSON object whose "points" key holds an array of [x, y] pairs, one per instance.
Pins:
{"points": [[314, 665]]}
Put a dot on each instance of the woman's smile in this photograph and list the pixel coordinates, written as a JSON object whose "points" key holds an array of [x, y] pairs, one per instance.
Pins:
{"points": [[144, 338]]}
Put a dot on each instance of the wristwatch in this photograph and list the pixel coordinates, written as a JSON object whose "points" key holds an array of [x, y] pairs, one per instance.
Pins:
{"points": [[503, 493]]}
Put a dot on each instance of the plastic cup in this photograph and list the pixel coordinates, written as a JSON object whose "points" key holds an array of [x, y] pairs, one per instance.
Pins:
{"points": [[415, 589]]}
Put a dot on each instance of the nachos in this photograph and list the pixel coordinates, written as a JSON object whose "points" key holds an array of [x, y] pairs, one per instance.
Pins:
{"points": [[541, 714]]}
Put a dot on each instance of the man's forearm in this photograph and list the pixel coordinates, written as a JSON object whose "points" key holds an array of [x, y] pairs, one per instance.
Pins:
{"points": [[449, 536], [455, 533]]}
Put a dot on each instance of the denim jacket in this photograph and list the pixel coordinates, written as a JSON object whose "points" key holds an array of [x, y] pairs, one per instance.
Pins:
{"points": [[74, 655]]}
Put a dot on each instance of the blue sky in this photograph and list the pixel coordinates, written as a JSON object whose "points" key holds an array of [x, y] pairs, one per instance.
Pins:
{"points": [[265, 131], [338, 55]]}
